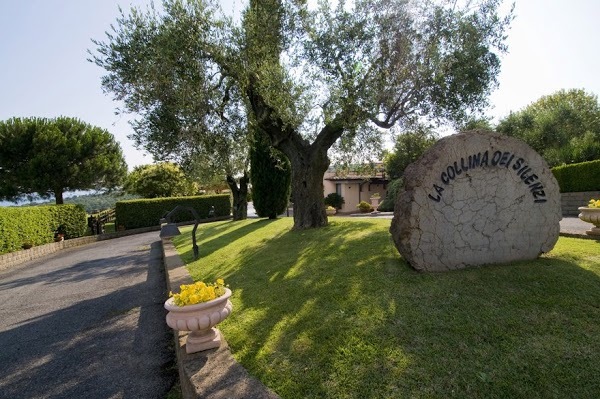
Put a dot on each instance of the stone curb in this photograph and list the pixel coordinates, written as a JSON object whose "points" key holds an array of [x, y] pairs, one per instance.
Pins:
{"points": [[579, 235], [213, 373], [12, 259], [369, 214]]}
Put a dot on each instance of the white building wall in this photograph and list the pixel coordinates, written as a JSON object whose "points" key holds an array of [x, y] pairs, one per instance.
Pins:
{"points": [[350, 190]]}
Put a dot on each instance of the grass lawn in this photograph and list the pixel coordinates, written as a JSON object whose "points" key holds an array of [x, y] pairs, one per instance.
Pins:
{"points": [[109, 227], [336, 313]]}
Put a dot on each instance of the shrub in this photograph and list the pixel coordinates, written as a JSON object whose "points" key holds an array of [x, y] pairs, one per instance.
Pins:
{"points": [[387, 205], [71, 220], [335, 200], [37, 224], [148, 212], [584, 176], [364, 207]]}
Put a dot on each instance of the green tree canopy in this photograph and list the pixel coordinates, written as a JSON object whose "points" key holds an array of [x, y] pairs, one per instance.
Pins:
{"points": [[164, 179], [50, 156], [409, 146], [563, 127], [308, 76]]}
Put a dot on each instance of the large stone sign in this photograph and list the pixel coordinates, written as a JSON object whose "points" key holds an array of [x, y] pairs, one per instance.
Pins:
{"points": [[476, 198]]}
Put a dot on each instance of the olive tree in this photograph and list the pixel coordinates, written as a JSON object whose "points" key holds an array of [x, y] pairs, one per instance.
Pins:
{"points": [[307, 77]]}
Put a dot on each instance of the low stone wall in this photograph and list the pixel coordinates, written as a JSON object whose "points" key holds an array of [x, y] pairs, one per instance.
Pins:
{"points": [[15, 258], [571, 201]]}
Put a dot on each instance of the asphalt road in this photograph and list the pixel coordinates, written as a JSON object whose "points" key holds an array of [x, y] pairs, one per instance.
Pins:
{"points": [[87, 322]]}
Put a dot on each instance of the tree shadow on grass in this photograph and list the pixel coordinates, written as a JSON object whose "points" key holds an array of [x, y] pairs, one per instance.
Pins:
{"points": [[212, 236], [335, 312]]}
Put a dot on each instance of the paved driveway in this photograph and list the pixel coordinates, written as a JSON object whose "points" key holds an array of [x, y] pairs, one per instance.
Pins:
{"points": [[87, 323]]}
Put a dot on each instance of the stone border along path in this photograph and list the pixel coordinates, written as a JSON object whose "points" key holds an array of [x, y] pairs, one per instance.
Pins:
{"points": [[11, 259], [213, 373]]}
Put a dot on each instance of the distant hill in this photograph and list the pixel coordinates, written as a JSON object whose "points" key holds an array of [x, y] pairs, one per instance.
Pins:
{"points": [[92, 202]]}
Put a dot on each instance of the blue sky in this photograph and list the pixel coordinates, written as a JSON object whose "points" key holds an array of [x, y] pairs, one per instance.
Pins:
{"points": [[44, 71]]}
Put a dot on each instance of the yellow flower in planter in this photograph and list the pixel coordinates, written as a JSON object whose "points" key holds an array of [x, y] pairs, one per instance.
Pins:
{"points": [[198, 292], [594, 203]]}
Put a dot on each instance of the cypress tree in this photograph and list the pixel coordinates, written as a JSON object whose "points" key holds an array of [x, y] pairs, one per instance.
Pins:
{"points": [[270, 175]]}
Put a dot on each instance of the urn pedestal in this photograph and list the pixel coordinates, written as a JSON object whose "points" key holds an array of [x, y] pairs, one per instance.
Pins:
{"points": [[375, 202], [591, 215], [200, 320]]}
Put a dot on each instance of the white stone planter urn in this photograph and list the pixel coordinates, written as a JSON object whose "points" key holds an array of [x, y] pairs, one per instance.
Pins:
{"points": [[330, 212], [591, 215], [375, 201], [200, 319]]}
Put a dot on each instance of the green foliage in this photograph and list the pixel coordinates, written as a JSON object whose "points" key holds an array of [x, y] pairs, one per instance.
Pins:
{"points": [[358, 322], [335, 200], [148, 212], [270, 175], [393, 189], [50, 156], [584, 176], [164, 179], [307, 76], [408, 148], [191, 115], [37, 225], [473, 123], [18, 226], [364, 207], [563, 127], [71, 219]]}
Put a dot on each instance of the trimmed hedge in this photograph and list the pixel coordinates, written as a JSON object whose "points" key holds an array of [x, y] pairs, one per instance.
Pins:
{"points": [[573, 178], [37, 224], [71, 219], [134, 214]]}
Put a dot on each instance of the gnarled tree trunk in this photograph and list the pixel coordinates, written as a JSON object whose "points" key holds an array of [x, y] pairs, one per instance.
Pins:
{"points": [[308, 168], [240, 202]]}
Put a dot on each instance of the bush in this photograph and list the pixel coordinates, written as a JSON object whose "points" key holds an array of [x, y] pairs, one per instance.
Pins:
{"points": [[335, 200], [584, 176], [364, 207], [387, 205], [71, 219], [148, 212], [37, 224]]}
